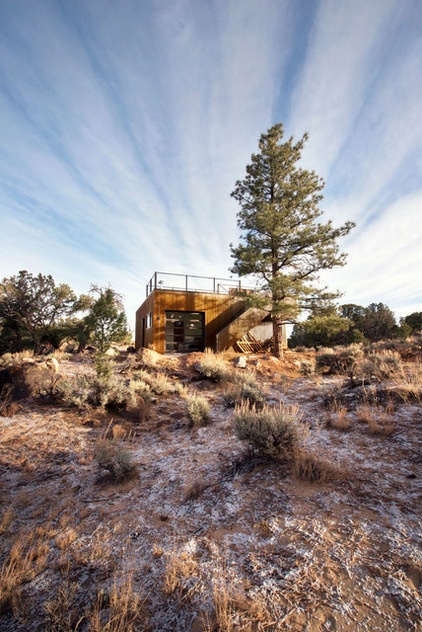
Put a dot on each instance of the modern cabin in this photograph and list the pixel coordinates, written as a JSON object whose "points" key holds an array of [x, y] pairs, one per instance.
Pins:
{"points": [[185, 313]]}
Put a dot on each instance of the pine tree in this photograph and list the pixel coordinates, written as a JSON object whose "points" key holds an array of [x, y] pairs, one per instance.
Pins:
{"points": [[282, 241]]}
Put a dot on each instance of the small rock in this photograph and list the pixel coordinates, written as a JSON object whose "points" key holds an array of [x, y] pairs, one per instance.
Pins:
{"points": [[240, 362]]}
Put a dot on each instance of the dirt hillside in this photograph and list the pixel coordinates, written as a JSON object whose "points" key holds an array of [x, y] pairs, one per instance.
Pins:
{"points": [[196, 532]]}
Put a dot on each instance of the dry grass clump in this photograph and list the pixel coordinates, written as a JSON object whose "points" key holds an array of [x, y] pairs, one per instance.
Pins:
{"points": [[408, 383], [115, 460], [26, 560], [338, 418], [314, 469], [180, 567], [232, 609], [121, 609], [272, 432], [198, 410], [61, 612], [377, 419]]}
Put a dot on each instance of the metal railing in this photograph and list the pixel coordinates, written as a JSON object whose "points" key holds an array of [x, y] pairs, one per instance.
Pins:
{"points": [[193, 283]]}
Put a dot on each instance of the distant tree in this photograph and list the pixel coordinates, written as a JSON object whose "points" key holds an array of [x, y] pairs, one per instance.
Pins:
{"points": [[283, 243], [106, 320], [32, 306], [321, 331], [355, 313], [414, 321], [378, 323]]}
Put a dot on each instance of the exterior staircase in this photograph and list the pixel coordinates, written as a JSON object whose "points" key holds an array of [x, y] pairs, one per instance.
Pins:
{"points": [[239, 327]]}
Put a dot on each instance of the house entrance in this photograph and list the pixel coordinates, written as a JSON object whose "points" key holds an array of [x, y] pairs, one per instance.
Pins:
{"points": [[185, 331]]}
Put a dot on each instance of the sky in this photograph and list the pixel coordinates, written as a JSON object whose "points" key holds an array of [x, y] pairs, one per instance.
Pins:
{"points": [[126, 123]]}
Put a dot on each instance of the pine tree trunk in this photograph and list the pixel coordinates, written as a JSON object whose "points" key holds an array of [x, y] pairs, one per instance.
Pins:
{"points": [[278, 349], [37, 343]]}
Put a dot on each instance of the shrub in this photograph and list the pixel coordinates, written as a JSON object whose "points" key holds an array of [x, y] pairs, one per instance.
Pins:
{"points": [[114, 459], [10, 360], [339, 359], [159, 384], [248, 392], [75, 392], [385, 364], [307, 367], [106, 391], [377, 366], [212, 367], [197, 409], [271, 431]]}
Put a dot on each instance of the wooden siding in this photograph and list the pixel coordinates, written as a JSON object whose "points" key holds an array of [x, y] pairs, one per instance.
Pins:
{"points": [[219, 309]]}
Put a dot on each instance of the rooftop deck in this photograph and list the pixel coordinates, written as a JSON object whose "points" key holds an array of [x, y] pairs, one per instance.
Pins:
{"points": [[193, 283]]}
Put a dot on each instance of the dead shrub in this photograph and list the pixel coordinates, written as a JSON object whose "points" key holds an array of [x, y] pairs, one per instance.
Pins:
{"points": [[7, 407], [6, 520], [193, 491], [308, 366]]}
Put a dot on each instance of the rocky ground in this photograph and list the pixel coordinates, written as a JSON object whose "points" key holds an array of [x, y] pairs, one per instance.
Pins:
{"points": [[203, 535]]}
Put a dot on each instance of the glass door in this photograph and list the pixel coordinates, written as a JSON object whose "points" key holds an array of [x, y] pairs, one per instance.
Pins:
{"points": [[185, 331]]}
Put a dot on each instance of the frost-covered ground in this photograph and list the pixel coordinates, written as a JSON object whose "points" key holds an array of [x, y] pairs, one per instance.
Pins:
{"points": [[210, 540]]}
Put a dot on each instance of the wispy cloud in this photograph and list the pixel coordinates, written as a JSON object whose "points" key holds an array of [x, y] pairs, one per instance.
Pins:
{"points": [[125, 126]]}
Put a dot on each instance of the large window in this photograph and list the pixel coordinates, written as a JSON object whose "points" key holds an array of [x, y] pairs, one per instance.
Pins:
{"points": [[185, 331]]}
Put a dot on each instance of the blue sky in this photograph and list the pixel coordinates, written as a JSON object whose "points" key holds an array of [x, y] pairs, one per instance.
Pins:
{"points": [[125, 125]]}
